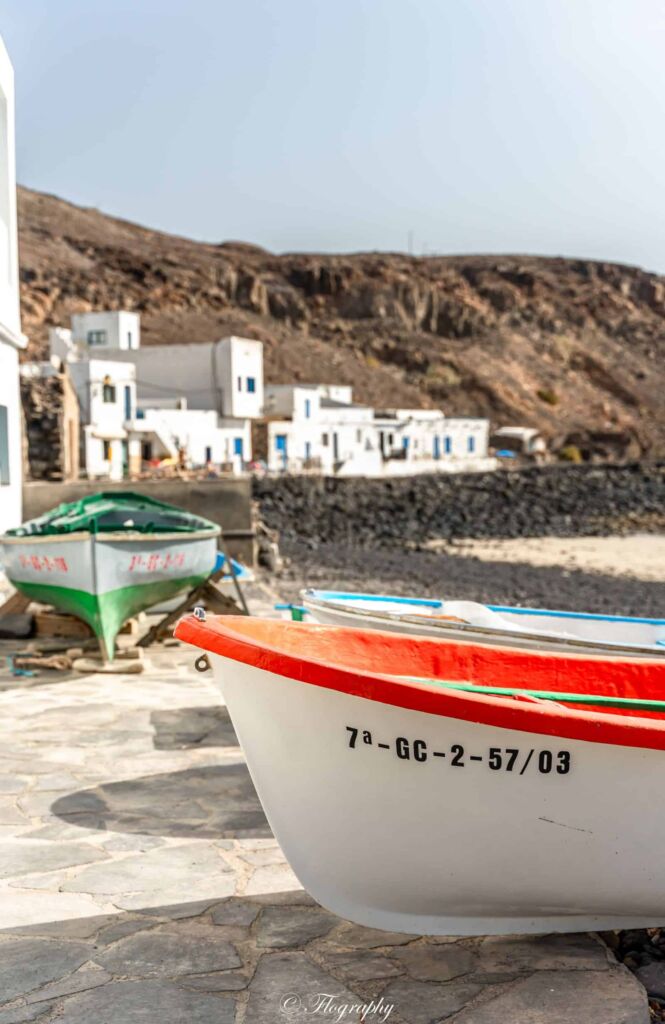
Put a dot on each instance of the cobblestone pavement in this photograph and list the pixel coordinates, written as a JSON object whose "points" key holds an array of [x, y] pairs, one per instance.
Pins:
{"points": [[139, 882]]}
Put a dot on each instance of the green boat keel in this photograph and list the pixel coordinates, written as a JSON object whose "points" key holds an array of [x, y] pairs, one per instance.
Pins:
{"points": [[106, 613]]}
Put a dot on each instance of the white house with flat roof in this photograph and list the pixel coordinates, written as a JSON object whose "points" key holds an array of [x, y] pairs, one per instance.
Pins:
{"points": [[11, 338], [187, 403], [307, 430], [106, 393]]}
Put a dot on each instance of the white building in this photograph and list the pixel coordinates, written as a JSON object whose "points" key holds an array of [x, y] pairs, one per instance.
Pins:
{"points": [[225, 375], [106, 393], [187, 403], [96, 335], [308, 430], [11, 339]]}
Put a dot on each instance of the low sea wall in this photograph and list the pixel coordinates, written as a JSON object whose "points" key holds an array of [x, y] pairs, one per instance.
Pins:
{"points": [[534, 502]]}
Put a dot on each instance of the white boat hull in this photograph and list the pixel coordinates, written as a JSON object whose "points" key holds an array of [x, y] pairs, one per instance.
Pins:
{"points": [[394, 828]]}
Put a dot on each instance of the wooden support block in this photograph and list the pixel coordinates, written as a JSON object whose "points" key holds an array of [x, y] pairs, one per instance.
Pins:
{"points": [[56, 624], [15, 605]]}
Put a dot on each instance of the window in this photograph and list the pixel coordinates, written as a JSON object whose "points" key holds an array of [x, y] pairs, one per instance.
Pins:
{"points": [[96, 337], [405, 443], [280, 442], [251, 385], [108, 393], [239, 383], [447, 445], [4, 445], [237, 446], [308, 450], [208, 454], [359, 436], [146, 451], [128, 402], [471, 444], [308, 408], [140, 414], [325, 440], [391, 439], [106, 451], [129, 339]]}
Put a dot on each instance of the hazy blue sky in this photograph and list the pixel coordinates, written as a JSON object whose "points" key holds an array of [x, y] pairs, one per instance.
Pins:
{"points": [[478, 125]]}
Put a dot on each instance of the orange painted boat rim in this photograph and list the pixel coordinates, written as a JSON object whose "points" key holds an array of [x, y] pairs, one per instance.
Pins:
{"points": [[353, 661]]}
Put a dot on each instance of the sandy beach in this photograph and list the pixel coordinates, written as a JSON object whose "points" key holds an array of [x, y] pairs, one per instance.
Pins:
{"points": [[639, 556]]}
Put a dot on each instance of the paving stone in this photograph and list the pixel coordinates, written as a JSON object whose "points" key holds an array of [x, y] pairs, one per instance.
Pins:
{"points": [[292, 926], [227, 981], [25, 907], [273, 879], [57, 781], [147, 1002], [234, 912], [435, 963], [27, 964], [565, 997], [152, 871], [127, 844], [360, 965], [89, 976], [204, 892], [122, 928], [10, 814], [23, 857], [24, 1014], [423, 1002], [12, 784], [169, 953], [288, 986], [356, 937], [178, 911], [76, 928], [542, 953]]}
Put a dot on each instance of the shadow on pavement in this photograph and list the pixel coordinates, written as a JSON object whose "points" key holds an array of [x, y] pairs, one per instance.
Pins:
{"points": [[210, 802], [190, 728]]}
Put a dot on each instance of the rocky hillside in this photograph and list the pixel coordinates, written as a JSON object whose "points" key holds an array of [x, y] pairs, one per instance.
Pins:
{"points": [[574, 347]]}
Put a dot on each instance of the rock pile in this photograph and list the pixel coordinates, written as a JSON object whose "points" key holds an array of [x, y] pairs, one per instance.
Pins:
{"points": [[49, 413], [533, 502]]}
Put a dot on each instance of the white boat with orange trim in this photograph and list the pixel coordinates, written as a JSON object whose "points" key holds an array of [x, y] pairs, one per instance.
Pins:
{"points": [[428, 786], [542, 629]]}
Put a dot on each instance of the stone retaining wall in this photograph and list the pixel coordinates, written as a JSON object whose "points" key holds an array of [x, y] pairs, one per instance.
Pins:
{"points": [[533, 502]]}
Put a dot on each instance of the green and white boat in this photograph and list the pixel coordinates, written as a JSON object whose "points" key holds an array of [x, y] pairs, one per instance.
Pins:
{"points": [[108, 556]]}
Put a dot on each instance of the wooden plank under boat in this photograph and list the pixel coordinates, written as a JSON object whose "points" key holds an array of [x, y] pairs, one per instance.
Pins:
{"points": [[109, 556], [409, 798], [540, 629]]}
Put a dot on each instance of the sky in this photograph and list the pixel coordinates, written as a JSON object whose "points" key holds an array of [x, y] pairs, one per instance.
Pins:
{"points": [[432, 126]]}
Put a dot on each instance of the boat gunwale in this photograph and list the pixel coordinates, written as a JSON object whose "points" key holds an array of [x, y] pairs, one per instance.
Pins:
{"points": [[507, 712], [115, 535], [314, 595], [612, 649]]}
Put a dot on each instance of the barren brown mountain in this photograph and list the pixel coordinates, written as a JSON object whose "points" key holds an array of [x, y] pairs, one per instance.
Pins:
{"points": [[572, 346]]}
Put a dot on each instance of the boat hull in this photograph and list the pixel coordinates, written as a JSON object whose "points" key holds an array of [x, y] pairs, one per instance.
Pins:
{"points": [[104, 579], [526, 627], [395, 818]]}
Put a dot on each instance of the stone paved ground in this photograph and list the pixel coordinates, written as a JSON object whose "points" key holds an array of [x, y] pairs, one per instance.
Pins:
{"points": [[139, 882]]}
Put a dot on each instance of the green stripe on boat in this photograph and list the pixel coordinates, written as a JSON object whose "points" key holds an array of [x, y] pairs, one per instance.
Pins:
{"points": [[629, 703]]}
